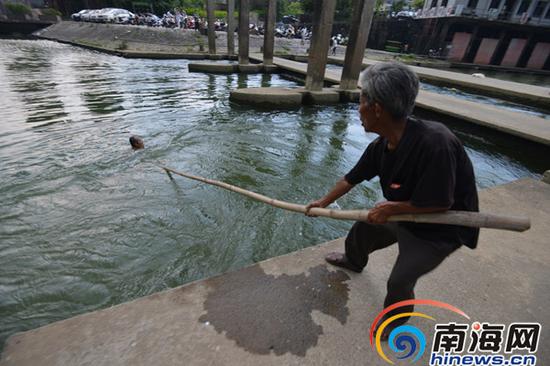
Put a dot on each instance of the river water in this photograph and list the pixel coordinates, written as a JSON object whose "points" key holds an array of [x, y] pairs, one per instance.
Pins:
{"points": [[86, 223]]}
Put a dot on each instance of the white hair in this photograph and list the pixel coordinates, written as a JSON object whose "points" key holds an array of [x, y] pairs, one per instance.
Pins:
{"points": [[393, 85]]}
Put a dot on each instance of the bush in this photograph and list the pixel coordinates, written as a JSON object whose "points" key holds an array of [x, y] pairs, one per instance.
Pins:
{"points": [[51, 12], [17, 9], [220, 14], [198, 11]]}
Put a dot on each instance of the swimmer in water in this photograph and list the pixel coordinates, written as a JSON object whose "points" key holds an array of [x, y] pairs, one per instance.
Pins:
{"points": [[136, 142]]}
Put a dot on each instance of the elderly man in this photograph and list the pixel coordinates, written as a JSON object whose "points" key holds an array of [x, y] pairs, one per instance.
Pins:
{"points": [[423, 168]]}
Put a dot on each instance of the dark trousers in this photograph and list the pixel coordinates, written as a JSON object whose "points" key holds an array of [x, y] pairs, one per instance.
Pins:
{"points": [[416, 258]]}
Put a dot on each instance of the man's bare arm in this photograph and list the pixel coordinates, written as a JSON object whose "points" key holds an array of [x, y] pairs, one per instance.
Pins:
{"points": [[380, 213], [340, 188]]}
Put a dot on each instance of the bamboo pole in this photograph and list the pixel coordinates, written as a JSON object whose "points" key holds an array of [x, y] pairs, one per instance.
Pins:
{"points": [[462, 218]]}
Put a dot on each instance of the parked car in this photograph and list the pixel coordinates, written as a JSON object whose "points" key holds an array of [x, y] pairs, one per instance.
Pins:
{"points": [[78, 16], [152, 20], [104, 15], [120, 16], [93, 15]]}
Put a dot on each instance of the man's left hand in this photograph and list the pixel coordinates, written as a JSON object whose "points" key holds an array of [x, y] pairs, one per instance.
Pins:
{"points": [[380, 213]]}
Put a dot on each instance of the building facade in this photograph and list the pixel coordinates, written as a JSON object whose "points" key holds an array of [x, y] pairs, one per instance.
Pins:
{"points": [[508, 33]]}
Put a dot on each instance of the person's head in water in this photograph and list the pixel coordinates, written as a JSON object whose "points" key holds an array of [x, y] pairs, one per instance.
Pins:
{"points": [[136, 142]]}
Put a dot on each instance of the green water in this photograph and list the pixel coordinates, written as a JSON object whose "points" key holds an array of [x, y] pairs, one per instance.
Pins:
{"points": [[86, 223]]}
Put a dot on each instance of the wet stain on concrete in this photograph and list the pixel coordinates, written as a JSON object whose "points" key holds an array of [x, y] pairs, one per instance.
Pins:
{"points": [[264, 313]]}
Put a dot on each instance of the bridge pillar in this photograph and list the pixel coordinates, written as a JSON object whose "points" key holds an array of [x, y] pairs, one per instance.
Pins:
{"points": [[323, 16]]}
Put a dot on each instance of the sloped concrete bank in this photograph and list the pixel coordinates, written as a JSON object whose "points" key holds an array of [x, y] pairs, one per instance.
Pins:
{"points": [[149, 42], [130, 41], [296, 310]]}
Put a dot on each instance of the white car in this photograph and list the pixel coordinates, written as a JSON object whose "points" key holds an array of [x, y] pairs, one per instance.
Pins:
{"points": [[79, 16], [123, 16], [104, 15], [92, 16]]}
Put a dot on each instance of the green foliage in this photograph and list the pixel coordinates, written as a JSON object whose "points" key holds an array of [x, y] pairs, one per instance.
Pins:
{"points": [[398, 6], [379, 6], [220, 14], [417, 4], [295, 9], [17, 8], [51, 11], [201, 12], [343, 10]]}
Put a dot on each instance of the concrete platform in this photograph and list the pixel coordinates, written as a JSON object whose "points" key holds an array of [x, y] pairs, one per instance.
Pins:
{"points": [[521, 125], [268, 97], [325, 96], [516, 92], [251, 68], [296, 310], [213, 68]]}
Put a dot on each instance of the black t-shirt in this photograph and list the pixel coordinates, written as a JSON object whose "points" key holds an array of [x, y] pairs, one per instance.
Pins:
{"points": [[429, 168]]}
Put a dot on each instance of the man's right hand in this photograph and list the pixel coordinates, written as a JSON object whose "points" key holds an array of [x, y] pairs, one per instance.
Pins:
{"points": [[318, 203]]}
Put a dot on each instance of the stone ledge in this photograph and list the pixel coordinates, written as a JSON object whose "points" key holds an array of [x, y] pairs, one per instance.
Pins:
{"points": [[250, 68], [268, 97], [213, 68], [325, 96]]}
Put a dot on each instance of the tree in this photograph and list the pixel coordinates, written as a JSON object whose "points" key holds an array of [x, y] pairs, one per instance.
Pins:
{"points": [[417, 4], [397, 6], [295, 9]]}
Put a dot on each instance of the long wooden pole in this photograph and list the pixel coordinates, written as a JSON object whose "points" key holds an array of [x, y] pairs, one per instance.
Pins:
{"points": [[463, 218]]}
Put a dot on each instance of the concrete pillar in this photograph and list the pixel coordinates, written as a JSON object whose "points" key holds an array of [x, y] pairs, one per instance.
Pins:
{"points": [[503, 42], [244, 22], [323, 16], [230, 27], [211, 27], [355, 51], [471, 50], [269, 34]]}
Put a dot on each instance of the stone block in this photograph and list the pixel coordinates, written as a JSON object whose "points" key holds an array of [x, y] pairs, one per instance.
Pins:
{"points": [[213, 68], [250, 68], [325, 96], [270, 69], [350, 95], [216, 57], [267, 97]]}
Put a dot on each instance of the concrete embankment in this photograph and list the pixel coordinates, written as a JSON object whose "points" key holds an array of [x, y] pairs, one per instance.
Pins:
{"points": [[297, 310], [509, 90], [131, 40], [524, 126], [150, 42]]}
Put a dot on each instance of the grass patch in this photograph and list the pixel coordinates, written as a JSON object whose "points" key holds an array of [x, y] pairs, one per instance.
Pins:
{"points": [[51, 12], [17, 8]]}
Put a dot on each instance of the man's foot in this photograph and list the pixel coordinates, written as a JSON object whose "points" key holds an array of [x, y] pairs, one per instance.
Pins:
{"points": [[340, 260]]}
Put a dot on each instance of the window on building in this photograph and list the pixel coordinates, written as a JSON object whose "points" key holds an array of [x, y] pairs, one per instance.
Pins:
{"points": [[472, 4], [434, 4], [494, 4], [547, 16], [444, 2], [539, 9], [523, 7]]}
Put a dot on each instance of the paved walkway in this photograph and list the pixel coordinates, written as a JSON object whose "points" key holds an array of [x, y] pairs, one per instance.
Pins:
{"points": [[530, 94], [296, 310], [514, 123]]}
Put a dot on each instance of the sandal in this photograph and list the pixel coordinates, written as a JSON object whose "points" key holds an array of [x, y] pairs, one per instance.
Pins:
{"points": [[340, 260]]}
